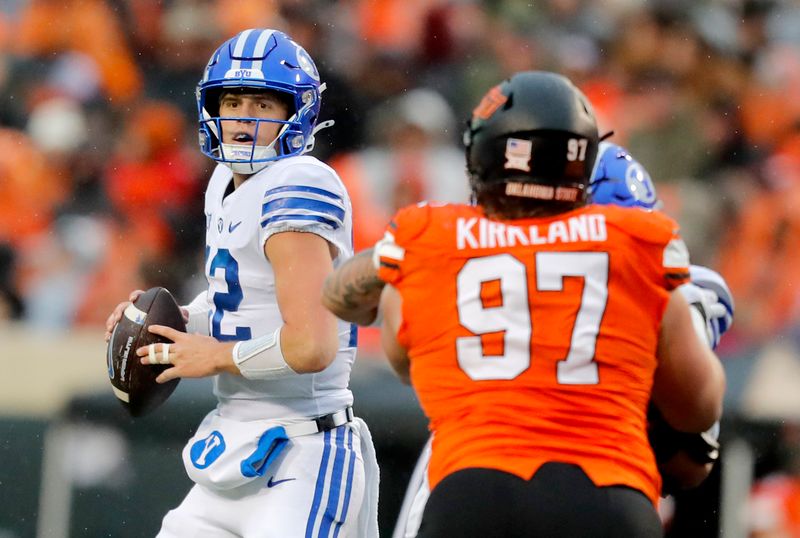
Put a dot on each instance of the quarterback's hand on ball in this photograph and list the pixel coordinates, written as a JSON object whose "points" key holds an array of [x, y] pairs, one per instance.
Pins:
{"points": [[192, 355], [116, 315]]}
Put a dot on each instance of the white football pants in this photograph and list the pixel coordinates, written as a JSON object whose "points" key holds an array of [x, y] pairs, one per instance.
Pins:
{"points": [[322, 485], [416, 497]]}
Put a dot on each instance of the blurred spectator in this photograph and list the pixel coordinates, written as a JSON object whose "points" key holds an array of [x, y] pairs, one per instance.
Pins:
{"points": [[53, 27], [152, 171], [97, 110], [233, 16], [760, 252], [774, 504], [29, 188], [58, 127], [63, 130], [59, 270], [10, 302], [340, 101], [393, 26], [153, 182], [175, 39], [412, 158], [768, 115]]}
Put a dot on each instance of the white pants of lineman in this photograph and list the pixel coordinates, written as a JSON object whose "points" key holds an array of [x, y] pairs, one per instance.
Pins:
{"points": [[323, 485], [416, 497]]}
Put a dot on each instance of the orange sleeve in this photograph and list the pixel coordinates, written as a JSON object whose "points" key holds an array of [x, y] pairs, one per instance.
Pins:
{"points": [[407, 224], [659, 231]]}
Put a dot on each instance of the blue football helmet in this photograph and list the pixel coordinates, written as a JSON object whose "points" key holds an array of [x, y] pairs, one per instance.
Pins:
{"points": [[260, 59], [619, 179]]}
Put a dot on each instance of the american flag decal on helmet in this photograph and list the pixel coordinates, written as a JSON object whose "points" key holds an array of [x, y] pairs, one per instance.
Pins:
{"points": [[518, 154]]}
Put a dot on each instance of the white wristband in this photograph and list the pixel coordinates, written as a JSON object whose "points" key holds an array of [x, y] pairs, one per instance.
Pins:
{"points": [[198, 315], [262, 358]]}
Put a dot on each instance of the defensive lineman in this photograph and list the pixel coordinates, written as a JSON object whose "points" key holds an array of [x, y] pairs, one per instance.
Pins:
{"points": [[618, 179], [535, 362]]}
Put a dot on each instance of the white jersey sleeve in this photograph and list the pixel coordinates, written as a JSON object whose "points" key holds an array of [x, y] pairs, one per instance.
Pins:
{"points": [[307, 196]]}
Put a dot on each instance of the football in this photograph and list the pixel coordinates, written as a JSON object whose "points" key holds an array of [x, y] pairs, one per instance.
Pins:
{"points": [[134, 384]]}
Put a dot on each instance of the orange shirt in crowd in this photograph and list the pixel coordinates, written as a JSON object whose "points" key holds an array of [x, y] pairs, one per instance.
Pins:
{"points": [[534, 340], [29, 188]]}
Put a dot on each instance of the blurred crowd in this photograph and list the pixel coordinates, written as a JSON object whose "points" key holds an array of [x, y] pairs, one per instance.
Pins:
{"points": [[101, 181]]}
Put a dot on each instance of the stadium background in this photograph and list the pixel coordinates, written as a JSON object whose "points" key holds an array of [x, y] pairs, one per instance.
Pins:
{"points": [[101, 186]]}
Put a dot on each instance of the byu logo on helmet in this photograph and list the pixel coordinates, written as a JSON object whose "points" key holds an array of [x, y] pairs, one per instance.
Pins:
{"points": [[244, 73]]}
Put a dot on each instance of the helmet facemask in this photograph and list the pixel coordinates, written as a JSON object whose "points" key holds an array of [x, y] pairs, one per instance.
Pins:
{"points": [[247, 156]]}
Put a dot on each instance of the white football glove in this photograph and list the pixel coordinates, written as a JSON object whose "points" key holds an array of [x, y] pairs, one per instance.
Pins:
{"points": [[712, 301], [711, 280]]}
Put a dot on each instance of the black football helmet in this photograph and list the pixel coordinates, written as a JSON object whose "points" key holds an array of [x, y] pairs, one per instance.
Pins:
{"points": [[537, 134]]}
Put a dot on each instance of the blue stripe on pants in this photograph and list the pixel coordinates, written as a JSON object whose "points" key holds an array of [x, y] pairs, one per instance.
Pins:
{"points": [[323, 467], [349, 489], [336, 484]]}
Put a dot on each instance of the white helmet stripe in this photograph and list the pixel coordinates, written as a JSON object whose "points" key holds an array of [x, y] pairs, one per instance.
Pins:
{"points": [[237, 50], [261, 45]]}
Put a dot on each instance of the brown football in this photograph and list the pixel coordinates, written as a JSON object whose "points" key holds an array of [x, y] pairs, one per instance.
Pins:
{"points": [[133, 383]]}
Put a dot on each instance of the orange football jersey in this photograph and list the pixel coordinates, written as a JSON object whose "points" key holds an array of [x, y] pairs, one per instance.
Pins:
{"points": [[534, 340]]}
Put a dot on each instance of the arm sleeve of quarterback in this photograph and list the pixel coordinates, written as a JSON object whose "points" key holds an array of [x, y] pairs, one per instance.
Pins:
{"points": [[308, 197]]}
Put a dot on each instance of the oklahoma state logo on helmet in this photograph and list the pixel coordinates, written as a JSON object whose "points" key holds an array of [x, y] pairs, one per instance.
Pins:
{"points": [[493, 100]]}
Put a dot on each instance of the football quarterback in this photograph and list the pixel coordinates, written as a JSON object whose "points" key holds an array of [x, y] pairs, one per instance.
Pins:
{"points": [[282, 453]]}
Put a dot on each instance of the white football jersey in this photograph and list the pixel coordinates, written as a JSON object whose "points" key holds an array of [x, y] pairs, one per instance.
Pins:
{"points": [[293, 194]]}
